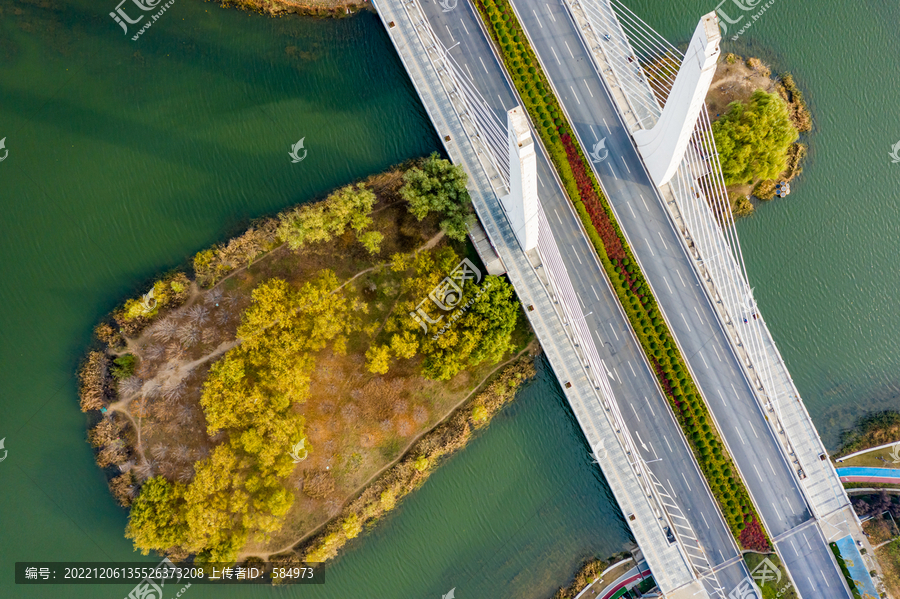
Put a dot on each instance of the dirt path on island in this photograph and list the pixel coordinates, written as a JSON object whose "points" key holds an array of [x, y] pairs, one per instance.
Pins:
{"points": [[180, 369]]}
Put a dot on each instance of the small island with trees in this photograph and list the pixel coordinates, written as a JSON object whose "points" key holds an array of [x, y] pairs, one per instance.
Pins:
{"points": [[757, 121], [283, 396]]}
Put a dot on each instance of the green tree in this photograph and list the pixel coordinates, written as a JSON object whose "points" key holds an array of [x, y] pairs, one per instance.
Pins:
{"points": [[349, 206], [156, 521], [440, 187], [753, 138]]}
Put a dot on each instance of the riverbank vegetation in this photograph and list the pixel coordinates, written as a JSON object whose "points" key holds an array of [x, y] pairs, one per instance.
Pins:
{"points": [[888, 557], [315, 8], [621, 268], [236, 411], [871, 431], [757, 121], [590, 572]]}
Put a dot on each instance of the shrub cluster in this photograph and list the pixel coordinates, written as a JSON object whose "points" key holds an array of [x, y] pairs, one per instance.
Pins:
{"points": [[169, 292], [626, 278]]}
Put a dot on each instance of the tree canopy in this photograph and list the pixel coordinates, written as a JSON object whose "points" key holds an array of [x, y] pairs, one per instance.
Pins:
{"points": [[349, 206], [481, 330], [753, 138], [439, 187], [249, 394]]}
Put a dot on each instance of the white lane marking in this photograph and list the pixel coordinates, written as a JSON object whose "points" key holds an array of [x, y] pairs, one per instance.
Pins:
{"points": [[612, 171], [633, 373], [667, 285], [810, 581], [581, 301], [501, 99], [823, 578], [717, 353], [464, 26], [704, 359], [648, 245], [805, 538], [685, 321], [723, 397], [588, 87], [576, 254], [736, 396], [618, 378], [671, 486], [753, 428], [758, 475], [720, 551], [595, 293], [679, 278], [667, 445], [686, 482], [771, 466], [776, 511], [596, 332], [540, 181], [568, 48], [631, 209], [550, 13], [666, 245], [554, 55], [469, 72], [450, 33], [625, 163], [655, 455], [636, 416], [557, 216], [645, 202], [698, 315], [538, 18], [794, 547], [741, 437], [607, 126], [482, 66], [704, 519], [594, 133], [650, 405], [614, 331], [574, 94]]}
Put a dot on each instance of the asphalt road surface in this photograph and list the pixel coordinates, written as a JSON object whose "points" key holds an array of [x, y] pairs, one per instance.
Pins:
{"points": [[668, 268]]}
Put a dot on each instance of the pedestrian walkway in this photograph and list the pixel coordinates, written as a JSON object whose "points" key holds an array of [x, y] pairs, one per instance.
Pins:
{"points": [[852, 474]]}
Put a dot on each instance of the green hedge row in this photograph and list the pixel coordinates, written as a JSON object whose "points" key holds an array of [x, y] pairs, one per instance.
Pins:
{"points": [[622, 270]]}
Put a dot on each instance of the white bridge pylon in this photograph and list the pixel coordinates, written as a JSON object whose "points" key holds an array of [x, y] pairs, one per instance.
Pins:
{"points": [[663, 146], [521, 203]]}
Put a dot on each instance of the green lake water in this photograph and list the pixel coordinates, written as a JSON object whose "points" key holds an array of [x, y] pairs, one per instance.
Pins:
{"points": [[127, 157]]}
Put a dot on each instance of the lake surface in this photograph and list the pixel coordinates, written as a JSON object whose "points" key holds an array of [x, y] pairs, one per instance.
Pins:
{"points": [[125, 158]]}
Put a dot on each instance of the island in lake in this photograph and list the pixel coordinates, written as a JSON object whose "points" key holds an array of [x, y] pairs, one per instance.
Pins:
{"points": [[307, 375]]}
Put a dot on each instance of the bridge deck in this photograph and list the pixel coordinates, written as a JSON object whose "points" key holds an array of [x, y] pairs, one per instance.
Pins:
{"points": [[666, 560]]}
